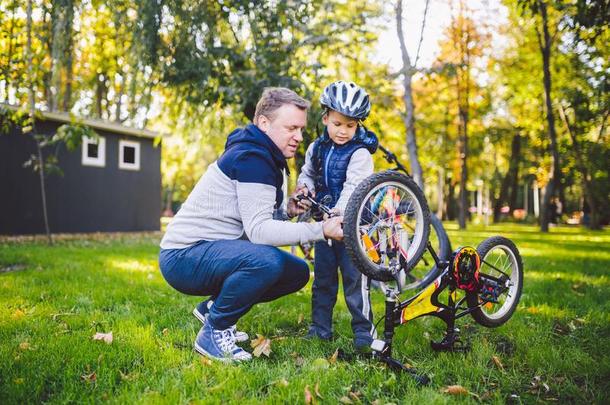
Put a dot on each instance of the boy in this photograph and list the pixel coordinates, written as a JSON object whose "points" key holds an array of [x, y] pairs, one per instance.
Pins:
{"points": [[334, 165]]}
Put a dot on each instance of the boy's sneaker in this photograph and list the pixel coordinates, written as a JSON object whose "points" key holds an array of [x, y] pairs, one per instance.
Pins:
{"points": [[313, 334], [219, 345], [201, 312]]}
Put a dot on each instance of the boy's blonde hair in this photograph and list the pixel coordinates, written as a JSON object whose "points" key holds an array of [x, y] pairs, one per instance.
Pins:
{"points": [[275, 97]]}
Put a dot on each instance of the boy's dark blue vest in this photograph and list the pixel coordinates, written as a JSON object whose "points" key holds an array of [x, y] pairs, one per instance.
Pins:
{"points": [[330, 163]]}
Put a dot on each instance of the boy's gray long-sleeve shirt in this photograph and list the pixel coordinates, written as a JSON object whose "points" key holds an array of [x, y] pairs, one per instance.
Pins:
{"points": [[359, 168]]}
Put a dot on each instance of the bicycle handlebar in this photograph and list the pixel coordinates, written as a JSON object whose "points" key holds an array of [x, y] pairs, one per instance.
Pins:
{"points": [[391, 158]]}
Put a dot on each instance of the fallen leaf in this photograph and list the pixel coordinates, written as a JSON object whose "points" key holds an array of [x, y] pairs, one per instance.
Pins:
{"points": [[579, 321], [345, 400], [308, 397], [89, 377], [320, 364], [299, 361], [24, 345], [165, 331], [497, 362], [333, 358], [261, 345], [355, 395], [455, 390], [486, 395], [206, 361], [300, 319], [106, 337], [316, 390]]}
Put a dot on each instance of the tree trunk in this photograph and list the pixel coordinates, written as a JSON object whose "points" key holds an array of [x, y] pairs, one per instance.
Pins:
{"points": [[32, 107], [440, 190], [409, 118], [463, 152], [514, 171], [451, 203], [594, 222], [555, 176], [68, 63]]}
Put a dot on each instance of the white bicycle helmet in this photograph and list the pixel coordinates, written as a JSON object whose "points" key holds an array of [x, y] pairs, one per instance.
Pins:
{"points": [[347, 98]]}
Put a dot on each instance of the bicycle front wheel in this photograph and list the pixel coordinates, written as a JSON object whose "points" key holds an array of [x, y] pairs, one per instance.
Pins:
{"points": [[386, 225]]}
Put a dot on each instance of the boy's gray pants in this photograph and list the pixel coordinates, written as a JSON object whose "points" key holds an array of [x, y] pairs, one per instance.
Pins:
{"points": [[325, 288]]}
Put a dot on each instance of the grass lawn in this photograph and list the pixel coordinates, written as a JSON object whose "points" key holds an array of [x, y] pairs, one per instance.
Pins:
{"points": [[54, 299]]}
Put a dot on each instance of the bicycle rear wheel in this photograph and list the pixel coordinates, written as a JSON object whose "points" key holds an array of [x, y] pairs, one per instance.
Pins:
{"points": [[426, 269], [386, 225], [500, 280]]}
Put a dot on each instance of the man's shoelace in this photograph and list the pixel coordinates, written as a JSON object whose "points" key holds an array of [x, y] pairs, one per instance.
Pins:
{"points": [[225, 339]]}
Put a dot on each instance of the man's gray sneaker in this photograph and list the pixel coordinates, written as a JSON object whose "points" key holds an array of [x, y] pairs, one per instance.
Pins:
{"points": [[201, 312], [219, 345]]}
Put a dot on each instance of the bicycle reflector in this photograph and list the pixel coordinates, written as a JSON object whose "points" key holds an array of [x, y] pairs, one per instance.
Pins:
{"points": [[465, 267]]}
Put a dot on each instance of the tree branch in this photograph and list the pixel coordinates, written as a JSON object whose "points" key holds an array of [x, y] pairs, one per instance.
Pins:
{"points": [[421, 35]]}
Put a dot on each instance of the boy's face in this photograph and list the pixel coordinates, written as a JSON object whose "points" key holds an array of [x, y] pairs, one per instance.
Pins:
{"points": [[341, 129], [285, 129]]}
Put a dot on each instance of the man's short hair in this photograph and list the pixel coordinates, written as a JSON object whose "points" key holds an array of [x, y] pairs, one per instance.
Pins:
{"points": [[275, 97]]}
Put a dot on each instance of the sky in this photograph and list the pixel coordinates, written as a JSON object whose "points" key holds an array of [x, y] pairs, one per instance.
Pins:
{"points": [[438, 17]]}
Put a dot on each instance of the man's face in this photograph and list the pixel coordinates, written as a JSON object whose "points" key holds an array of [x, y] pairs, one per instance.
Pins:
{"points": [[341, 129], [285, 130]]}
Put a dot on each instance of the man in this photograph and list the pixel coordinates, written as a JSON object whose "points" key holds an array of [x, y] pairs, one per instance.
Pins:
{"points": [[221, 241]]}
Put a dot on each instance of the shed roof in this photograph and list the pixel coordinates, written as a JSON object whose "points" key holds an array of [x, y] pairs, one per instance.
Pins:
{"points": [[92, 122]]}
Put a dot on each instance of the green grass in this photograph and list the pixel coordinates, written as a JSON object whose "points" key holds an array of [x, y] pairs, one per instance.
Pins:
{"points": [[54, 299]]}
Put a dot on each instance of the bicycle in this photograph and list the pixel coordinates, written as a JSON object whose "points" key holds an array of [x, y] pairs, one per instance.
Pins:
{"points": [[386, 230], [418, 276]]}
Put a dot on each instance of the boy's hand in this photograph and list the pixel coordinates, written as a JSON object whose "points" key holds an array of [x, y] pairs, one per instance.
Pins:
{"points": [[297, 206], [333, 228]]}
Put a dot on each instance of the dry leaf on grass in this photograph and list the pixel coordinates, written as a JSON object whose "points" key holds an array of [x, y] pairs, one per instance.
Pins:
{"points": [[89, 377], [316, 390], [345, 400], [300, 319], [24, 345], [106, 337], [497, 362], [333, 358], [206, 361], [261, 345], [355, 396], [455, 390], [309, 399]]}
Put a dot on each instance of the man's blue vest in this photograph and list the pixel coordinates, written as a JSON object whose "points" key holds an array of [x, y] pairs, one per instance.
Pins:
{"points": [[330, 163]]}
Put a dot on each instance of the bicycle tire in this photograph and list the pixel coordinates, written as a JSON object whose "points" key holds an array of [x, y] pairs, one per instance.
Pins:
{"points": [[504, 312], [351, 220], [443, 251]]}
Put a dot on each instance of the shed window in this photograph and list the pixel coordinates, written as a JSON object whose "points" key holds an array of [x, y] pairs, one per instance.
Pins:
{"points": [[94, 151], [129, 155]]}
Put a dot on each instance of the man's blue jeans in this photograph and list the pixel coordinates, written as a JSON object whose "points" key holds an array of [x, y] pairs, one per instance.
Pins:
{"points": [[236, 273]]}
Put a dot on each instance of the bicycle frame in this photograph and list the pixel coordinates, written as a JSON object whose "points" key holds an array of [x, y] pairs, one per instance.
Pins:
{"points": [[428, 303]]}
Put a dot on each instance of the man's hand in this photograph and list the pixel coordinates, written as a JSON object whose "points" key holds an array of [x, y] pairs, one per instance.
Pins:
{"points": [[296, 206], [333, 228]]}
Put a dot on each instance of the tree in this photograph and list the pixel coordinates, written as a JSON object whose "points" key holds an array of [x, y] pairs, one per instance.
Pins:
{"points": [[408, 70], [539, 8]]}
